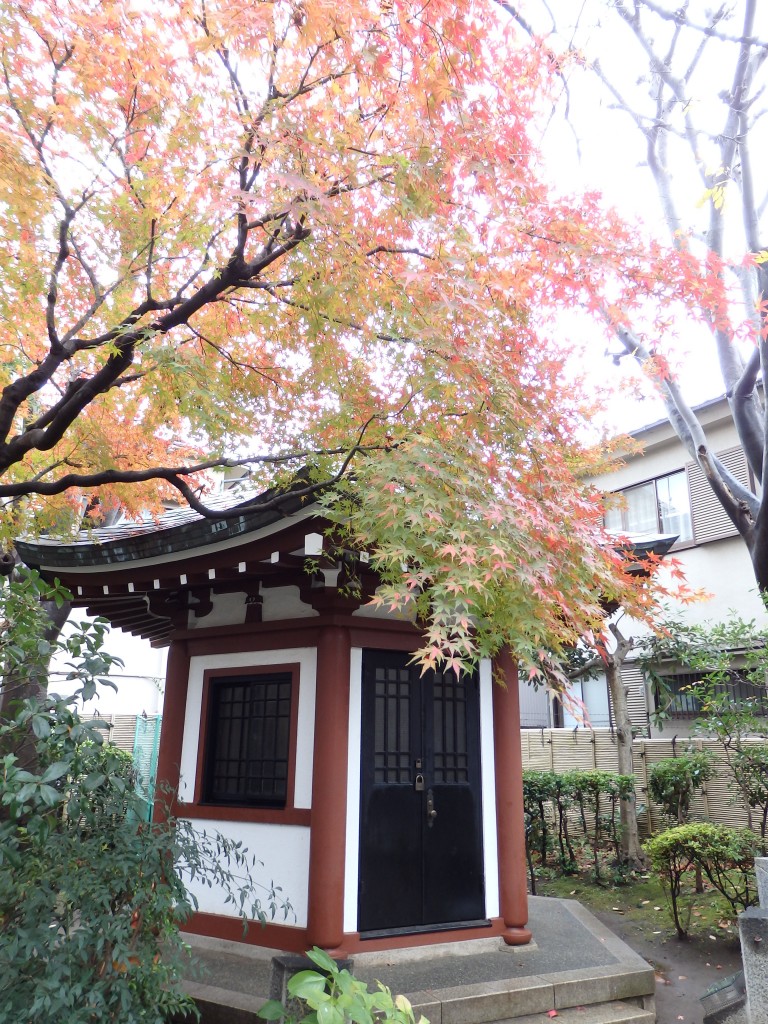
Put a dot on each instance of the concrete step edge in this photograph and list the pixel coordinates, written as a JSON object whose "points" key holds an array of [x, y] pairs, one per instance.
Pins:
{"points": [[597, 1013]]}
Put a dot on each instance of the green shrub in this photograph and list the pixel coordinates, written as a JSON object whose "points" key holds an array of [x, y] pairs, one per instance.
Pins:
{"points": [[725, 855], [552, 795], [335, 996], [750, 766], [91, 897], [673, 782]]}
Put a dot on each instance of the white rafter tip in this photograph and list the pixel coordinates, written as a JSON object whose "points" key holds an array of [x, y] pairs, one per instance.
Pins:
{"points": [[313, 544]]}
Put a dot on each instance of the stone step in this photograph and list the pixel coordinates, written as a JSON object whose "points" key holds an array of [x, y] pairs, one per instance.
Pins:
{"points": [[599, 1013], [218, 1006], [218, 1010]]}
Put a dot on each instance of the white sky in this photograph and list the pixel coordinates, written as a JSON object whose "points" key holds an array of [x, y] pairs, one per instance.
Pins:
{"points": [[610, 153]]}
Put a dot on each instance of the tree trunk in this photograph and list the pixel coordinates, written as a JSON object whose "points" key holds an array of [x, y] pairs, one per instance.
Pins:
{"points": [[30, 681], [631, 850]]}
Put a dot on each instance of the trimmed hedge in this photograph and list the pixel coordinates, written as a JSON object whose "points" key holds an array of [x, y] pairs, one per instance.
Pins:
{"points": [[555, 801]]}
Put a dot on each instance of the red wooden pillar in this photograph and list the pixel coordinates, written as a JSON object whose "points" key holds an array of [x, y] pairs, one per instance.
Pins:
{"points": [[172, 729], [510, 820], [327, 844]]}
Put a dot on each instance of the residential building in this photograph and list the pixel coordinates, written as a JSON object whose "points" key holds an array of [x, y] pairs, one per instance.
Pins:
{"points": [[664, 492]]}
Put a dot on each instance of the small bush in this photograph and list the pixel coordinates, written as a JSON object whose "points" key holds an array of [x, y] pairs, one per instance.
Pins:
{"points": [[673, 782], [724, 855]]}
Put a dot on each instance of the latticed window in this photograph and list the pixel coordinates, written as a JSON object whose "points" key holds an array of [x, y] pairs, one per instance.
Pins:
{"points": [[681, 700], [248, 740]]}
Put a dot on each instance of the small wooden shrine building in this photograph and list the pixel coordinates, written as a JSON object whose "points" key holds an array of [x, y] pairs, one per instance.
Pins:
{"points": [[387, 805]]}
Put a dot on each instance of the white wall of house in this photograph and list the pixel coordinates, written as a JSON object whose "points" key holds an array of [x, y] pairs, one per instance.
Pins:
{"points": [[721, 568], [716, 562]]}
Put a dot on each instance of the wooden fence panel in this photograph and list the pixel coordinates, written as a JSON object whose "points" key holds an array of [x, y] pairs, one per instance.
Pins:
{"points": [[564, 750]]}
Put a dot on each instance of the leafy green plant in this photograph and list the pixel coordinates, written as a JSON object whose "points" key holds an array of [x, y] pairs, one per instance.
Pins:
{"points": [[588, 789], [750, 764], [335, 996], [563, 801], [91, 896], [722, 654], [538, 792], [731, 660], [555, 796], [725, 856], [673, 782]]}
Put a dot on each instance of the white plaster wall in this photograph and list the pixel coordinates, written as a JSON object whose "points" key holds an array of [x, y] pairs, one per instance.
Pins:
{"points": [[661, 455], [282, 860], [306, 658], [488, 782], [284, 603], [723, 570], [277, 603], [352, 853], [227, 610], [283, 850]]}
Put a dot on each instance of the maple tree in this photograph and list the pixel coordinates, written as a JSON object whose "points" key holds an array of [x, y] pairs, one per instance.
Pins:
{"points": [[685, 84], [308, 235]]}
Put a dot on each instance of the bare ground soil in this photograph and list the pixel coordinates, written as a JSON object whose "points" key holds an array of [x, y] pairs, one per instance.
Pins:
{"points": [[638, 914], [684, 969]]}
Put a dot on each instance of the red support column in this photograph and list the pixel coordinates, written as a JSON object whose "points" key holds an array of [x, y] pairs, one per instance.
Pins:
{"points": [[510, 820], [327, 845], [172, 729]]}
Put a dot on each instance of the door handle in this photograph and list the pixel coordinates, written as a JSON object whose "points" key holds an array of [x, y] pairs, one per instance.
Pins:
{"points": [[431, 812]]}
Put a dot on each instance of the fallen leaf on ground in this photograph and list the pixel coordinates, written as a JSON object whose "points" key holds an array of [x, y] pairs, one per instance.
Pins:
{"points": [[552, 1013]]}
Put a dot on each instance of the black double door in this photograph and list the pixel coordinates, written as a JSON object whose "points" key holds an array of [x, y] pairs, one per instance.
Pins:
{"points": [[421, 851]]}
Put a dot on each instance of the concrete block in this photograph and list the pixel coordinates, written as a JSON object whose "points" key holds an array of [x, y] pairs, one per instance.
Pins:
{"points": [[426, 1004], [496, 1001], [606, 1013], [761, 870], [603, 985], [753, 931], [283, 969], [726, 1001]]}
